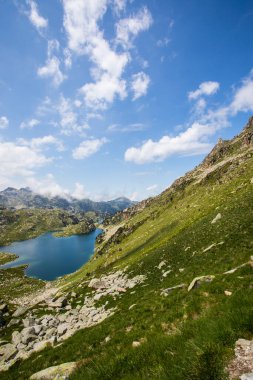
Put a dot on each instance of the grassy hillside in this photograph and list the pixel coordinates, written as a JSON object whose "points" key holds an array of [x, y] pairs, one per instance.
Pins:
{"points": [[201, 226]]}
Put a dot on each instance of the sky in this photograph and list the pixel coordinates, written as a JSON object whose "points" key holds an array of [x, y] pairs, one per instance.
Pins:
{"points": [[107, 98]]}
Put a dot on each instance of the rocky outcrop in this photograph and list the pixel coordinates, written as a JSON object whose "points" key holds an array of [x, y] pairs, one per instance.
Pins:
{"points": [[242, 365], [59, 372], [38, 333]]}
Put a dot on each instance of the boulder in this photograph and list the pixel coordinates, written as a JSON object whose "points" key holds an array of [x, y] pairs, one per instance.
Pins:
{"points": [[29, 322], [39, 346], [16, 338], [20, 311], [218, 217], [247, 376], [60, 372], [7, 352], [95, 283], [59, 302], [196, 282], [62, 329], [13, 321]]}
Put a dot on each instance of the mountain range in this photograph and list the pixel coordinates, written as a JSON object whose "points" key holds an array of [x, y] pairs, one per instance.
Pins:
{"points": [[24, 198]]}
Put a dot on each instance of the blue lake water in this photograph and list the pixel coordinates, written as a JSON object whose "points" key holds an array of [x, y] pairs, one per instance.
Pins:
{"points": [[49, 257]]}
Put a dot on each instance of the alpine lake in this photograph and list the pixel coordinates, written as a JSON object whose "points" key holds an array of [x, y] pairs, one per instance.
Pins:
{"points": [[48, 257]]}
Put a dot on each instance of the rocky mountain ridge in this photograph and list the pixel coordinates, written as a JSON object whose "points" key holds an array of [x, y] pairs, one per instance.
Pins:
{"points": [[24, 198]]}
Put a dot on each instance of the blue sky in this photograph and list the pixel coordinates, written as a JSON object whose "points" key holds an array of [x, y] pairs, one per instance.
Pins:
{"points": [[104, 98]]}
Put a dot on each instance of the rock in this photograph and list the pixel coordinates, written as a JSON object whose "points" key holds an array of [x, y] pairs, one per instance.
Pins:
{"points": [[165, 292], [37, 329], [73, 294], [218, 217], [59, 302], [8, 352], [198, 280], [50, 333], [62, 329], [95, 283], [227, 293], [28, 322], [39, 346], [28, 338], [247, 376], [21, 346], [59, 372], [3, 342], [136, 344], [20, 311], [162, 263], [98, 296], [16, 338], [69, 307], [2, 320], [3, 308], [130, 307], [13, 321], [107, 339], [251, 181], [165, 274], [242, 365]]}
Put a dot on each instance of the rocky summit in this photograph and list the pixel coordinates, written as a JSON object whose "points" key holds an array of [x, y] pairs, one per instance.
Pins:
{"points": [[166, 295]]}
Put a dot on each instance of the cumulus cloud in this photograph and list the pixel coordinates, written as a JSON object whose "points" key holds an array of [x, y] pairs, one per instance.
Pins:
{"points": [[4, 122], [128, 28], [36, 19], [52, 65], [88, 147], [17, 159], [190, 142], [119, 6], [47, 186], [80, 192], [42, 142], [139, 85], [205, 88], [243, 97], [81, 23], [69, 119], [29, 124]]}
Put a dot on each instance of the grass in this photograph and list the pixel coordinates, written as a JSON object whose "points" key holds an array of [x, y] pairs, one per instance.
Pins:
{"points": [[186, 335]]}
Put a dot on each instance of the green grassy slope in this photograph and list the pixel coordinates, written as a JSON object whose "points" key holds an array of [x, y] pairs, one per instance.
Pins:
{"points": [[186, 335]]}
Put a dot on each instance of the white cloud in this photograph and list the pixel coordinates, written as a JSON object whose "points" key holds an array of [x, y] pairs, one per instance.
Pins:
{"points": [[4, 122], [17, 159], [152, 187], [36, 19], [80, 192], [163, 42], [47, 186], [81, 22], [128, 28], [39, 142], [97, 95], [243, 98], [119, 6], [88, 148], [29, 124], [190, 142], [139, 85], [69, 119], [52, 66], [205, 88]]}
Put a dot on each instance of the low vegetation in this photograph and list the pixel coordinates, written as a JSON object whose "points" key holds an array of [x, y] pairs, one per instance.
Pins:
{"points": [[200, 228]]}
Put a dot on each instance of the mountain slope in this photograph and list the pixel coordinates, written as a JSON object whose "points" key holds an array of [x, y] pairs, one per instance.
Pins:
{"points": [[25, 198], [192, 246]]}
